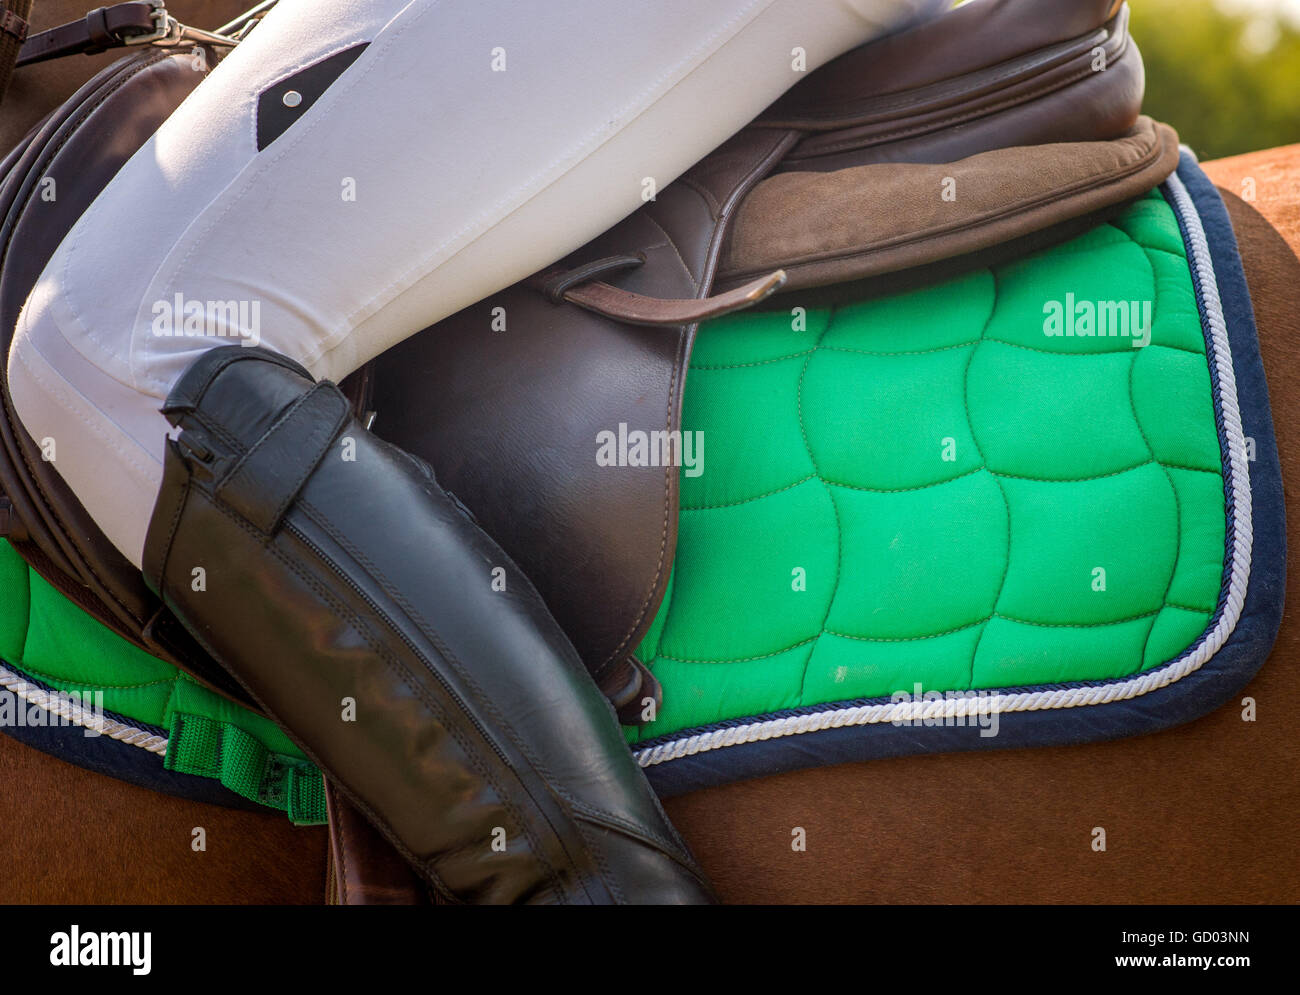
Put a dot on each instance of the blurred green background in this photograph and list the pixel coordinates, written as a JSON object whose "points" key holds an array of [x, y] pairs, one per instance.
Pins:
{"points": [[1224, 73]]}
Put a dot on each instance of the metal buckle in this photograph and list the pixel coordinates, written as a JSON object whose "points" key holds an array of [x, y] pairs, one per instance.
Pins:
{"points": [[14, 26], [245, 22], [170, 32], [164, 26]]}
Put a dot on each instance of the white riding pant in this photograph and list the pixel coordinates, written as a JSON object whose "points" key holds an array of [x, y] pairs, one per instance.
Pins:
{"points": [[473, 142]]}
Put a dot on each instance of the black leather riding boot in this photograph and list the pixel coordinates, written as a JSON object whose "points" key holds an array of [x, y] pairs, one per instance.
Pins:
{"points": [[397, 643]]}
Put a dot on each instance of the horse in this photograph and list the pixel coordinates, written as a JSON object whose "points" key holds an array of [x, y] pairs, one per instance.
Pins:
{"points": [[1003, 826]]}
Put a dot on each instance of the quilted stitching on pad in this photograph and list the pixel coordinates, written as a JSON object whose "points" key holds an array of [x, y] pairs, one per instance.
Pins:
{"points": [[926, 488]]}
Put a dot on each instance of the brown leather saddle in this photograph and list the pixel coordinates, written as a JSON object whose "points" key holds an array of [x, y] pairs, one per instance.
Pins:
{"points": [[1027, 109]]}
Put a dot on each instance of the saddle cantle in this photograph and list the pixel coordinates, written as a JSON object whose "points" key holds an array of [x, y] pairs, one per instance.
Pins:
{"points": [[510, 419]]}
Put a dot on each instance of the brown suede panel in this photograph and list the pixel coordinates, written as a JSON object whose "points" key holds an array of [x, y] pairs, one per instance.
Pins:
{"points": [[1205, 812], [825, 228]]}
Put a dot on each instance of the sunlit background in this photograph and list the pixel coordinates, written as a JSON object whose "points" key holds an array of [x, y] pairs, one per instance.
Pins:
{"points": [[1224, 73]]}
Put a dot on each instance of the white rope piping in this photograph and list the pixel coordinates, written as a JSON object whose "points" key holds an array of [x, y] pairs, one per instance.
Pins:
{"points": [[79, 715], [973, 704]]}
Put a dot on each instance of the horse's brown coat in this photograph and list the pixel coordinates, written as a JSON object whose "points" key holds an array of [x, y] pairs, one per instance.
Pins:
{"points": [[71, 836], [1201, 813]]}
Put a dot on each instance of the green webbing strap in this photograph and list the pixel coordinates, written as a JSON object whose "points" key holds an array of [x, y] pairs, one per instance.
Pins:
{"points": [[210, 748]]}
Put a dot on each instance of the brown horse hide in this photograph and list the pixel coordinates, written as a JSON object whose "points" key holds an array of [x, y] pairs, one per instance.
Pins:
{"points": [[70, 836]]}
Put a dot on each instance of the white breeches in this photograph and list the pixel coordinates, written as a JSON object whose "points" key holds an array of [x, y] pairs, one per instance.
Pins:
{"points": [[471, 143]]}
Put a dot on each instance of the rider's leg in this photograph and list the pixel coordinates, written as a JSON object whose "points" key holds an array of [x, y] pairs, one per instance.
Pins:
{"points": [[416, 664]]}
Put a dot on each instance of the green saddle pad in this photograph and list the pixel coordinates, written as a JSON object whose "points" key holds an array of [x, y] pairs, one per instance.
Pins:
{"points": [[951, 488], [49, 645]]}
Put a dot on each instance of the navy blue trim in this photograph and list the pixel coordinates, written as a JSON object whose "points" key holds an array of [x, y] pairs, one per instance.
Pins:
{"points": [[120, 760], [108, 714], [1195, 695]]}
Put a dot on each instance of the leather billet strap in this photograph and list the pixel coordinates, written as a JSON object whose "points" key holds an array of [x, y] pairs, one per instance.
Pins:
{"points": [[101, 29], [578, 286], [364, 869], [137, 22]]}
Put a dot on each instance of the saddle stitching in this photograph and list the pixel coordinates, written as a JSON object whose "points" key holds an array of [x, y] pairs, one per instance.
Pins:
{"points": [[835, 511], [671, 243], [1066, 52], [1169, 478], [706, 195], [619, 651], [952, 120]]}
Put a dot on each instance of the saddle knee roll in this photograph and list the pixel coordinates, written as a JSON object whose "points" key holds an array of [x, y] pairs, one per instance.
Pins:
{"points": [[369, 615]]}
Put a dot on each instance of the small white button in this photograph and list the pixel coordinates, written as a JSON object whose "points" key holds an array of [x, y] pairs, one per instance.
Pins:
{"points": [[292, 98]]}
